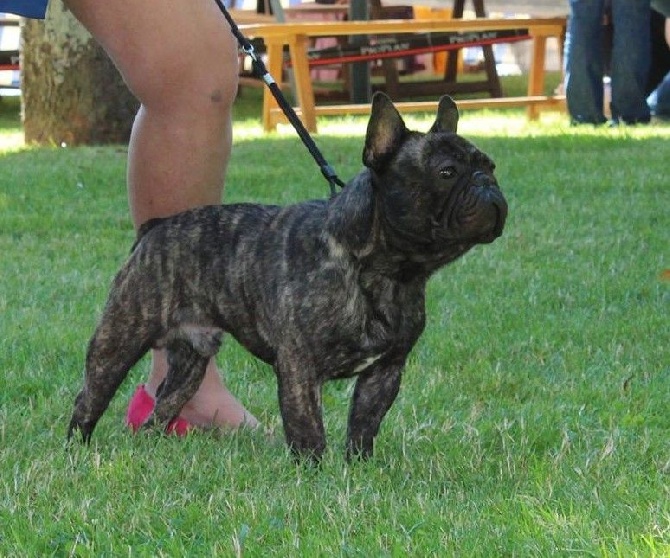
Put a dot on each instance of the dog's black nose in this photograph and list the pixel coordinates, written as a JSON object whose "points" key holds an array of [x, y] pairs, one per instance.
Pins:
{"points": [[489, 193], [480, 178], [487, 188]]}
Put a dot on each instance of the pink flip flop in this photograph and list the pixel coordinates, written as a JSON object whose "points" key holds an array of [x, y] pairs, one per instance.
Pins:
{"points": [[140, 408]]}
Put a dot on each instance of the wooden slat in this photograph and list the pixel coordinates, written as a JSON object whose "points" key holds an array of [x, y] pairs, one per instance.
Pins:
{"points": [[430, 106], [551, 26]]}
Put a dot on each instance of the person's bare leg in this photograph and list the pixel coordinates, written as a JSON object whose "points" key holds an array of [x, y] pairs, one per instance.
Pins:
{"points": [[180, 60]]}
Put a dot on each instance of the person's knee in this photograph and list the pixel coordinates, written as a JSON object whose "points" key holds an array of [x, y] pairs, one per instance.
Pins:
{"points": [[180, 81], [186, 55]]}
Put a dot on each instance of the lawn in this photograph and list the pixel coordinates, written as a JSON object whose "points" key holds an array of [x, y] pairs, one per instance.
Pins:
{"points": [[534, 414]]}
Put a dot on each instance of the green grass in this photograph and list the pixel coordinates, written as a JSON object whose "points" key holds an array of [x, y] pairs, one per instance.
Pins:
{"points": [[533, 418]]}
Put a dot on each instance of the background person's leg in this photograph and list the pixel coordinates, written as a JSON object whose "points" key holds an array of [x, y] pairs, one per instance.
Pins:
{"points": [[631, 55], [584, 61]]}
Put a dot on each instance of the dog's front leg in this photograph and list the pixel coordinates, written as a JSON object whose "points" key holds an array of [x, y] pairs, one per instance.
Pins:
{"points": [[374, 394], [300, 405]]}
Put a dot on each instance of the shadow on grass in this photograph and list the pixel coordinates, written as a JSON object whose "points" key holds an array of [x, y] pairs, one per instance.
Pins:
{"points": [[10, 112]]}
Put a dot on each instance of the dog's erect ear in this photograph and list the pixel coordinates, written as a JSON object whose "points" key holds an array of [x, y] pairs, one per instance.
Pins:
{"points": [[386, 130], [447, 116]]}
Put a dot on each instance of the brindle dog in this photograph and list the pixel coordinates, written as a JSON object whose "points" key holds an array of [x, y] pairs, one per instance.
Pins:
{"points": [[321, 290]]}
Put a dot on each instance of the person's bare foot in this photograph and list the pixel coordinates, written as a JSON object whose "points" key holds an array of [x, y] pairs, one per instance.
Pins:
{"points": [[212, 405]]}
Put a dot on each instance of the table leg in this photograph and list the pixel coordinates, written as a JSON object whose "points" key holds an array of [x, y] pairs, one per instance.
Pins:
{"points": [[536, 74], [275, 63], [359, 72], [304, 91]]}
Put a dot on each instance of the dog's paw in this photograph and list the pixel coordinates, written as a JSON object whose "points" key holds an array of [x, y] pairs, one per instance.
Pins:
{"points": [[85, 428]]}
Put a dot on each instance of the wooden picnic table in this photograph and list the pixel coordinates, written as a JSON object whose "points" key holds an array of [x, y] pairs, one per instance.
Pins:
{"points": [[297, 36]]}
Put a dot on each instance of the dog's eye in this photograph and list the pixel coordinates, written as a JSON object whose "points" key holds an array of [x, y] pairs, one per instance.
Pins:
{"points": [[448, 172]]}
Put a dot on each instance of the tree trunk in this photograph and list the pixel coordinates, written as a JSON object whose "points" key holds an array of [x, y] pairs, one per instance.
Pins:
{"points": [[71, 92]]}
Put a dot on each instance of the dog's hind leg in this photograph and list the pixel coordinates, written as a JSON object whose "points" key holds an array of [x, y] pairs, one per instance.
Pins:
{"points": [[187, 356], [113, 350]]}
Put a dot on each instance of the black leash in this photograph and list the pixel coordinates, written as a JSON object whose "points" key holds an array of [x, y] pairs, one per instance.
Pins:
{"points": [[261, 71]]}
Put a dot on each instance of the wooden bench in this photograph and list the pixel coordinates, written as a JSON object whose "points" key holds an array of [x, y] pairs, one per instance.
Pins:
{"points": [[297, 37]]}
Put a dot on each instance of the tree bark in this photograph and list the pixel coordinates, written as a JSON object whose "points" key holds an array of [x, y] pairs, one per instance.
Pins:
{"points": [[71, 92]]}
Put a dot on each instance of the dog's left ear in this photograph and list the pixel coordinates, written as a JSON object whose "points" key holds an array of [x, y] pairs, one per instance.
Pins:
{"points": [[447, 116], [386, 131]]}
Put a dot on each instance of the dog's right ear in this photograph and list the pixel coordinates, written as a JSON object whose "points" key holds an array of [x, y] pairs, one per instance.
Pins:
{"points": [[386, 131], [447, 116]]}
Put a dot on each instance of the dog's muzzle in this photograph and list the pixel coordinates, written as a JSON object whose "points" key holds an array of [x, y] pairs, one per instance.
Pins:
{"points": [[484, 208]]}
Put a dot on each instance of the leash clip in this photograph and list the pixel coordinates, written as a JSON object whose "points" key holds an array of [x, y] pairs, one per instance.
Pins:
{"points": [[249, 50]]}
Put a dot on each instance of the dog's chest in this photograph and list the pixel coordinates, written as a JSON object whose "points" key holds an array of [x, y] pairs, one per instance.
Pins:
{"points": [[379, 339], [299, 292]]}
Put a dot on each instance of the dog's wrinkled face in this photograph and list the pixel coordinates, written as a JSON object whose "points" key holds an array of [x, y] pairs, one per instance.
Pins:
{"points": [[448, 194]]}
